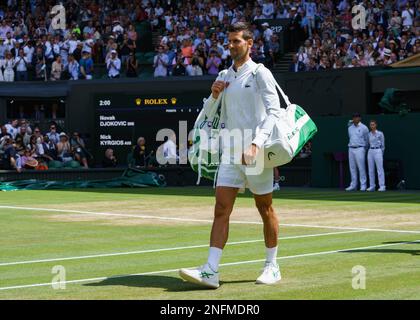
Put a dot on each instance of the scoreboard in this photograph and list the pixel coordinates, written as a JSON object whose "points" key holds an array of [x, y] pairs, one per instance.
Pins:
{"points": [[120, 119]]}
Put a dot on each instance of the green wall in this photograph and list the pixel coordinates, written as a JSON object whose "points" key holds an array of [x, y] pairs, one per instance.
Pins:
{"points": [[402, 141]]}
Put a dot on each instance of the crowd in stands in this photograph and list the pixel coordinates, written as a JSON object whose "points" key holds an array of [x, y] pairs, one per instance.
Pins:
{"points": [[97, 32], [193, 37], [25, 146], [324, 37]]}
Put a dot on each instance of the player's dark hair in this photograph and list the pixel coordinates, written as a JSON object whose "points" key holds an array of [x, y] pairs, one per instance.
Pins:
{"points": [[242, 26], [373, 121]]}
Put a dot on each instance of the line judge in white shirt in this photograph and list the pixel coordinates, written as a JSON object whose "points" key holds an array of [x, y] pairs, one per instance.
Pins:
{"points": [[359, 141], [376, 157], [250, 102]]}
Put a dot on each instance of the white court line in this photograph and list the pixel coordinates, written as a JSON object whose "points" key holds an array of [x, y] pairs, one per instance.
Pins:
{"points": [[222, 265], [168, 249], [202, 220]]}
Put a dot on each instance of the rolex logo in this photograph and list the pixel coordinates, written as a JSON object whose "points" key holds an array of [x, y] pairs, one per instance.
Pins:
{"points": [[173, 100], [138, 101]]}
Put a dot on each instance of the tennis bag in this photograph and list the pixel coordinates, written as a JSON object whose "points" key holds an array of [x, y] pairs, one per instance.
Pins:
{"points": [[204, 153], [290, 133]]}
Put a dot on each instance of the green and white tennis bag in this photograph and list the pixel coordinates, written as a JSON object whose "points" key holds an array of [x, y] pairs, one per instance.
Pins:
{"points": [[204, 154], [290, 133]]}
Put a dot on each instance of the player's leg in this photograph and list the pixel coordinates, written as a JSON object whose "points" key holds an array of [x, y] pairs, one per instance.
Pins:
{"points": [[276, 179], [353, 170], [225, 199], [379, 161], [371, 166], [271, 273], [230, 179], [261, 186], [361, 165]]}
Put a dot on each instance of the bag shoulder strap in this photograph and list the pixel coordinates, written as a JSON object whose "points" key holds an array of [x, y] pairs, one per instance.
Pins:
{"points": [[284, 96]]}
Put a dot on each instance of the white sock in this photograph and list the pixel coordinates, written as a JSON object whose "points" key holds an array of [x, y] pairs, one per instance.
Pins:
{"points": [[271, 255], [214, 258]]}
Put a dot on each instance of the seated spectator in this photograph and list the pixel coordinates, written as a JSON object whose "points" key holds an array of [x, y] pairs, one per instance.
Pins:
{"points": [[139, 153], [53, 135], [109, 161], [49, 149], [113, 65], [12, 128], [296, 65], [78, 146], [27, 161], [64, 151], [9, 155], [23, 135]]}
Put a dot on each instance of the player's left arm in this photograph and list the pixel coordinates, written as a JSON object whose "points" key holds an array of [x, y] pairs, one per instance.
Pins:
{"points": [[267, 89]]}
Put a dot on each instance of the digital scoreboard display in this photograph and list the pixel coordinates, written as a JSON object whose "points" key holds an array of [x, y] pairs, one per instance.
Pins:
{"points": [[122, 118]]}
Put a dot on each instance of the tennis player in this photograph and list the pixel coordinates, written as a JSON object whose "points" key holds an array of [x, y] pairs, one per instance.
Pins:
{"points": [[251, 105]]}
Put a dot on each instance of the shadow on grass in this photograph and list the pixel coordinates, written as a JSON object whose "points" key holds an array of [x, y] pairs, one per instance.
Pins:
{"points": [[170, 284], [413, 252], [291, 193]]}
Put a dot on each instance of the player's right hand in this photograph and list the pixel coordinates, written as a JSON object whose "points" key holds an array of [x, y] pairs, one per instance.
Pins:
{"points": [[217, 87]]}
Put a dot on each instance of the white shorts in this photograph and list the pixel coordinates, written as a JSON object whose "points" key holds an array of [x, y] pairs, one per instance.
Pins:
{"points": [[234, 175]]}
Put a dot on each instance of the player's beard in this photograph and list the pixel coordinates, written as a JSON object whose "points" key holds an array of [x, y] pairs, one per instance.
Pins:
{"points": [[240, 56]]}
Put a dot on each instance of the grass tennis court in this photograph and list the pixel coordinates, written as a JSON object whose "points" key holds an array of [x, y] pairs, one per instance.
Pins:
{"points": [[129, 243]]}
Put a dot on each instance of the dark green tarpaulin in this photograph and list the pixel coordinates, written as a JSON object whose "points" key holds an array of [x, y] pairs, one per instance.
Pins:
{"points": [[131, 178]]}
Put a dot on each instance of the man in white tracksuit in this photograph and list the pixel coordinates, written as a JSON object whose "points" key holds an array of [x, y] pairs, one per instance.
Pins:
{"points": [[249, 101], [375, 157], [358, 135]]}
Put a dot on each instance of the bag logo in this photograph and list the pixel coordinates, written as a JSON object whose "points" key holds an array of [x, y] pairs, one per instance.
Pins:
{"points": [[271, 154]]}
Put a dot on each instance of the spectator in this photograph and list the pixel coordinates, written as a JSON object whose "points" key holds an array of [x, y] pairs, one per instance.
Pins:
{"points": [[178, 68], [160, 63], [12, 128], [8, 64], [194, 69], [21, 64], [78, 146], [132, 66], [109, 161], [213, 63], [73, 68], [39, 64], [113, 65], [64, 151], [296, 65], [53, 135], [57, 69], [140, 152], [86, 66]]}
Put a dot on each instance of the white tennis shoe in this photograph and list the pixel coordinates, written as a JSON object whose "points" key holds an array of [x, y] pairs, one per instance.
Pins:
{"points": [[203, 276], [270, 275]]}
